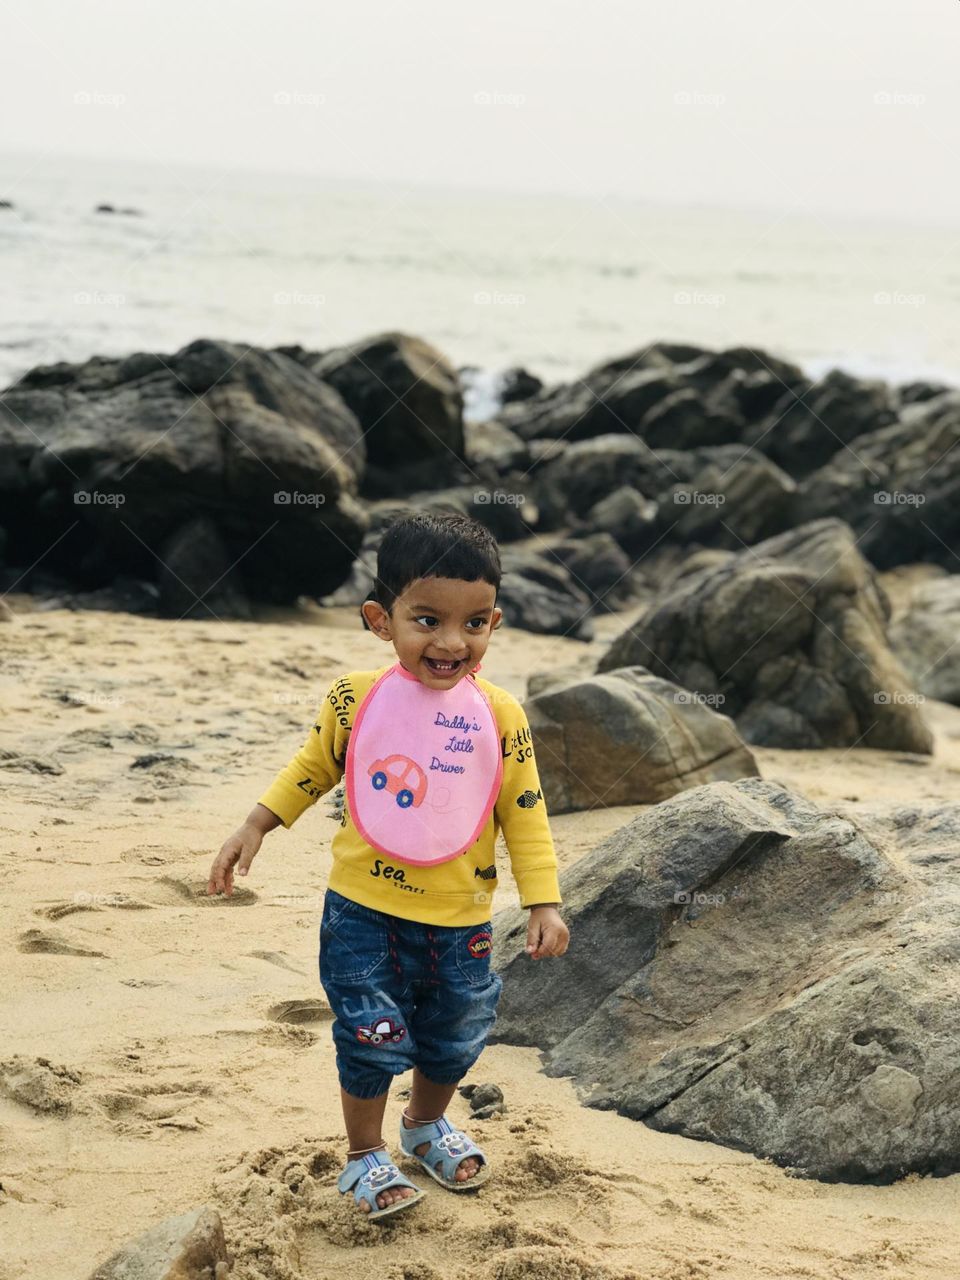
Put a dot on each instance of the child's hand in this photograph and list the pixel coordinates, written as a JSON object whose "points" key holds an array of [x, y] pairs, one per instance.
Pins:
{"points": [[547, 935], [241, 848]]}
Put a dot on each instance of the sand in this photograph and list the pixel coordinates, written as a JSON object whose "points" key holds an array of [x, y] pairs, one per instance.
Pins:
{"points": [[162, 1050]]}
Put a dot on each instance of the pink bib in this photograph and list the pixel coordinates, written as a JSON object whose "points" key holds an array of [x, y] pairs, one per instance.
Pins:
{"points": [[423, 767]]}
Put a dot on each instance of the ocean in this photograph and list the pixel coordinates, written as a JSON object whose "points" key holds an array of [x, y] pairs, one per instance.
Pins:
{"points": [[556, 284]]}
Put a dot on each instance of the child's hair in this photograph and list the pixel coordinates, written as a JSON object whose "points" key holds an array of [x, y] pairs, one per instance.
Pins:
{"points": [[433, 544]]}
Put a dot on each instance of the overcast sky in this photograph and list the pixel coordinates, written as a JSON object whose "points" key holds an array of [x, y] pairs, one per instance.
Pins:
{"points": [[845, 106]]}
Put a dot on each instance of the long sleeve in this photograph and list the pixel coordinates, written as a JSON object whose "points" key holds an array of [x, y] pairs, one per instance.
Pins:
{"points": [[522, 812], [318, 765]]}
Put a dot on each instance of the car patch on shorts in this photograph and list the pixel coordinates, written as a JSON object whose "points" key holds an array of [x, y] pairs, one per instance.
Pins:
{"points": [[479, 945], [383, 1031]]}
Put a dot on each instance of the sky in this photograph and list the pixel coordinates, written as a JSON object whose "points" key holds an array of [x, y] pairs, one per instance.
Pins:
{"points": [[840, 106]]}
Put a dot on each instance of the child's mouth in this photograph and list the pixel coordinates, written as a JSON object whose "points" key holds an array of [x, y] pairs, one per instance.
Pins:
{"points": [[443, 668]]}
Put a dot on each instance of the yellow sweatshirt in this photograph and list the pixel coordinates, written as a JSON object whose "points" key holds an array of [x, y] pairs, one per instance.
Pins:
{"points": [[456, 892]]}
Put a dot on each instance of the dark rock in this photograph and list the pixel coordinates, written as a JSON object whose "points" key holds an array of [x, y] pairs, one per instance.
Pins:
{"points": [[748, 969], [518, 384], [102, 463], [196, 575], [628, 737], [811, 422], [599, 565], [792, 634], [407, 398], [898, 487]]}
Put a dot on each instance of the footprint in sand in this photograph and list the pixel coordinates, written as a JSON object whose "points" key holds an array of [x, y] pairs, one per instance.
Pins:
{"points": [[139, 1109], [278, 958], [172, 891], [84, 901], [48, 942], [300, 1012], [38, 1084]]}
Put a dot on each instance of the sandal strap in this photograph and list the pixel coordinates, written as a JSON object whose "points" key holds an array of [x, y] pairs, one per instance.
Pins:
{"points": [[447, 1144], [370, 1174]]}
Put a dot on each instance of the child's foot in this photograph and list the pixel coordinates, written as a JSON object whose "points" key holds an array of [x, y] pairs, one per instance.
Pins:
{"points": [[384, 1197], [465, 1169]]}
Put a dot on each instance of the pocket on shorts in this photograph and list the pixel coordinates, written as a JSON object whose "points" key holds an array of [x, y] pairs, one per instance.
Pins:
{"points": [[473, 951], [353, 943]]}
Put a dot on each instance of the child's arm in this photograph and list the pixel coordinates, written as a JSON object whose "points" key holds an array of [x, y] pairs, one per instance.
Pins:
{"points": [[526, 830], [315, 769]]}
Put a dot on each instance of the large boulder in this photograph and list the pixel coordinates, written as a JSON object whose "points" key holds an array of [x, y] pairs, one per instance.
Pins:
{"points": [[791, 634], [897, 487], [926, 638], [407, 398], [810, 422], [746, 968], [628, 737], [105, 467]]}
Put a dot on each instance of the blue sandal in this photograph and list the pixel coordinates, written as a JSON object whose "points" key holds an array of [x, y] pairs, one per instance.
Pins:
{"points": [[369, 1175], [448, 1146]]}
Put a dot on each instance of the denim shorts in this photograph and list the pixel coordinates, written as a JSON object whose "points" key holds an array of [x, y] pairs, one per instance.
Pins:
{"points": [[404, 994]]}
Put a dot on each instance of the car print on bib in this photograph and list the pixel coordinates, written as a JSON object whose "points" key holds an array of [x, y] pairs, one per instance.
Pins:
{"points": [[402, 777]]}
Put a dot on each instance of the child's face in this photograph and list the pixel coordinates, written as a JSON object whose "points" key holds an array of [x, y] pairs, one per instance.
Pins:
{"points": [[438, 620]]}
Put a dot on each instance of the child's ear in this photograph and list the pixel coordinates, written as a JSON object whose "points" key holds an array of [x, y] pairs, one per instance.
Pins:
{"points": [[496, 618], [375, 618]]}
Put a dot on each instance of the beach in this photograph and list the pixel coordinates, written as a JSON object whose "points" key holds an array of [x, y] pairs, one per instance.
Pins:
{"points": [[165, 1050]]}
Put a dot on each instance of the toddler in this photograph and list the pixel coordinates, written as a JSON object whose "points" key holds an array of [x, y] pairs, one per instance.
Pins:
{"points": [[436, 762]]}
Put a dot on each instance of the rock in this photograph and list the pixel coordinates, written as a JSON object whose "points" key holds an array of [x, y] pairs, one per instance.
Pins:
{"points": [[102, 463], [197, 578], [6, 613], [812, 422], [748, 969], [897, 487], [190, 1246], [627, 737], [493, 443], [589, 471], [518, 384], [540, 595], [625, 514], [726, 497], [926, 638], [601, 568], [407, 398], [792, 634]]}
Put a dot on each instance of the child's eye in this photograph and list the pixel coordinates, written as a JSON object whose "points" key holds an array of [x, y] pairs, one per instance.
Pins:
{"points": [[482, 622], [425, 618]]}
